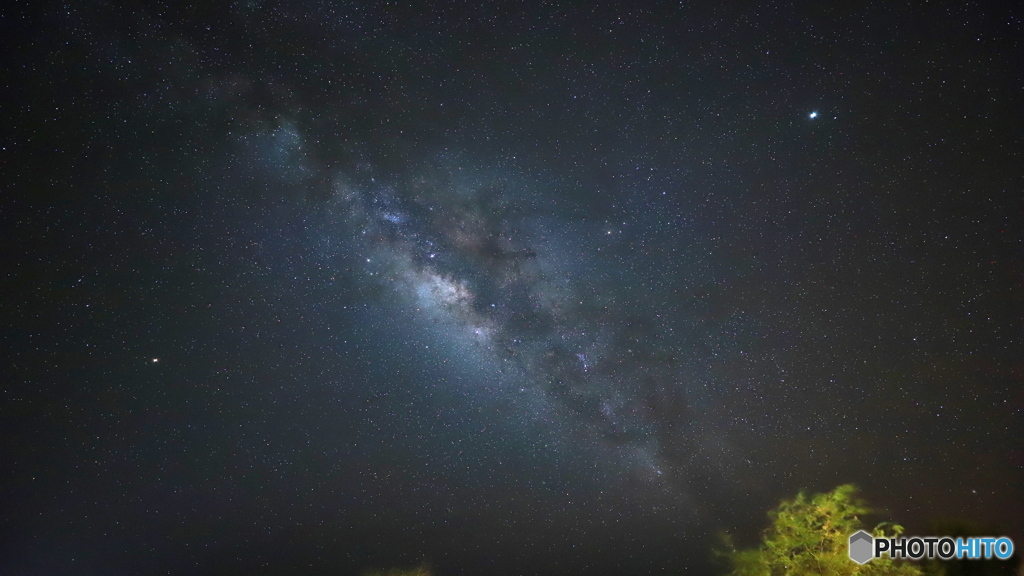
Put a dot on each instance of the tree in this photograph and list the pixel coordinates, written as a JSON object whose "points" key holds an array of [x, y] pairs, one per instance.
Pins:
{"points": [[809, 536]]}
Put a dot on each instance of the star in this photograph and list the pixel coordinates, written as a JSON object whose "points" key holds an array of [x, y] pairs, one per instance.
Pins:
{"points": [[812, 115]]}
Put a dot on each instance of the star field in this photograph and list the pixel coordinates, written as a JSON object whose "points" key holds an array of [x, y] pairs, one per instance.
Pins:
{"points": [[510, 288]]}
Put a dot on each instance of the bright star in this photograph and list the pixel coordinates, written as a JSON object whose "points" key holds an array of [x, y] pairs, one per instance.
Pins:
{"points": [[813, 115]]}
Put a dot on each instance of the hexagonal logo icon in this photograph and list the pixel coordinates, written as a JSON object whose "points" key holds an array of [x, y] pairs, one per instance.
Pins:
{"points": [[861, 544]]}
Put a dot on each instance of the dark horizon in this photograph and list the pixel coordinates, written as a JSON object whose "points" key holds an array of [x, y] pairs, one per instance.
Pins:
{"points": [[523, 288]]}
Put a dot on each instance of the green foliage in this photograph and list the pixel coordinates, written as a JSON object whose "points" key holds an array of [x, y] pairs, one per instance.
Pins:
{"points": [[421, 570], [809, 535]]}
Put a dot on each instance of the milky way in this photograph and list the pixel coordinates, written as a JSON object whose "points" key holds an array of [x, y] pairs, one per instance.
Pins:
{"points": [[485, 268]]}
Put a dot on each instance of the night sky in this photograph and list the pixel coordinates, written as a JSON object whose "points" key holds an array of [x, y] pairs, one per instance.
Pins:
{"points": [[513, 288]]}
